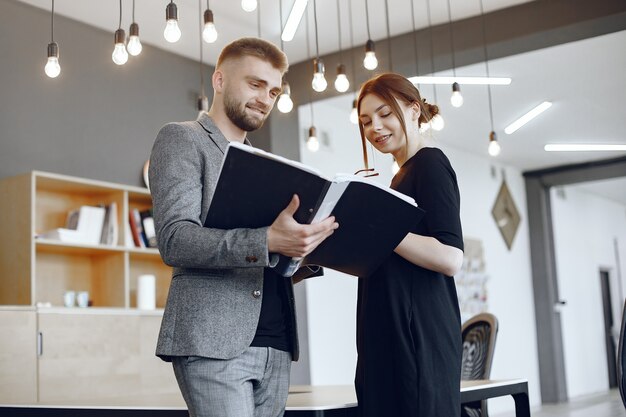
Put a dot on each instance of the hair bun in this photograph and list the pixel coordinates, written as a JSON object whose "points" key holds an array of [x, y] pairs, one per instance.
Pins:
{"points": [[433, 109]]}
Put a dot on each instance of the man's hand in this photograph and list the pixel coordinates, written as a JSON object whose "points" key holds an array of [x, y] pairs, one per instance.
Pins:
{"points": [[290, 238]]}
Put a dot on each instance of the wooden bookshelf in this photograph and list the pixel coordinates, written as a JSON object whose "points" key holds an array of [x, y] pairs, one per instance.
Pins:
{"points": [[39, 271]]}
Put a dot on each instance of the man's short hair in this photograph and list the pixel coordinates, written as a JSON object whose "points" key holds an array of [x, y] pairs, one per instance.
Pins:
{"points": [[256, 47]]}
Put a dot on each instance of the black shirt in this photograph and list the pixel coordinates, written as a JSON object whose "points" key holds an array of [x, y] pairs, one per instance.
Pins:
{"points": [[274, 327]]}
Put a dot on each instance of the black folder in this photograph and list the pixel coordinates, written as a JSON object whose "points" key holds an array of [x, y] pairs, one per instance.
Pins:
{"points": [[254, 186]]}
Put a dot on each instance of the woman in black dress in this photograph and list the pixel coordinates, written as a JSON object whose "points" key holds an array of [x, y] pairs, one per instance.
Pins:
{"points": [[409, 327]]}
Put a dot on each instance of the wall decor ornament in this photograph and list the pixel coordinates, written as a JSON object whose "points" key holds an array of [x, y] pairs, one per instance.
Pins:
{"points": [[506, 215]]}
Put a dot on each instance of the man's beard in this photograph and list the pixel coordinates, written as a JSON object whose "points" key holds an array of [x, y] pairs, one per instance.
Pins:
{"points": [[236, 112]]}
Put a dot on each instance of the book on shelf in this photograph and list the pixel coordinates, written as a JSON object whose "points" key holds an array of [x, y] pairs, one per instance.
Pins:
{"points": [[134, 219], [110, 227], [254, 186], [149, 232], [83, 225]]}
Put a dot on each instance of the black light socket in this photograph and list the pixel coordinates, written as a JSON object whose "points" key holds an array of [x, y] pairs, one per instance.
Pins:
{"points": [[134, 29], [53, 50], [318, 66], [208, 16], [493, 137], [120, 36], [171, 12], [369, 46], [312, 131], [286, 88], [341, 69], [456, 87]]}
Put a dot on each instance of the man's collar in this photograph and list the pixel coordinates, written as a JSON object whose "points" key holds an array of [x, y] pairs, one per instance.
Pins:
{"points": [[209, 125]]}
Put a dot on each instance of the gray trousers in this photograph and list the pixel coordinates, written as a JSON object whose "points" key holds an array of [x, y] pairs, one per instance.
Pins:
{"points": [[254, 384]]}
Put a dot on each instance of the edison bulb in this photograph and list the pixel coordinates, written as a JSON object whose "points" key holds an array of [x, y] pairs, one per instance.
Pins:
{"points": [[319, 83], [494, 148], [354, 116], [456, 99], [249, 5], [370, 61], [52, 68], [341, 83], [437, 122], [119, 55], [209, 33], [312, 144], [424, 127], [172, 31], [285, 104], [134, 45]]}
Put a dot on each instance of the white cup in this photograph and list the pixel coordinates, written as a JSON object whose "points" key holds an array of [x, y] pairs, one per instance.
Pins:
{"points": [[146, 292], [82, 298], [69, 298]]}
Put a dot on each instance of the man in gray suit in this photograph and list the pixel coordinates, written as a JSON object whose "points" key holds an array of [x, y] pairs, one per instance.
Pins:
{"points": [[229, 325]]}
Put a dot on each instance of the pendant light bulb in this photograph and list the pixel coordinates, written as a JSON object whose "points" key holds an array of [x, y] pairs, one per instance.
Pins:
{"points": [[494, 147], [341, 82], [209, 33], [249, 5], [319, 83], [172, 31], [456, 99], [437, 122], [119, 55], [312, 144], [52, 68], [285, 104], [134, 46], [354, 114], [370, 61]]}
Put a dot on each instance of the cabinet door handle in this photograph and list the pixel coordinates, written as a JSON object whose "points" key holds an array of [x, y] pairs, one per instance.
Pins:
{"points": [[39, 344]]}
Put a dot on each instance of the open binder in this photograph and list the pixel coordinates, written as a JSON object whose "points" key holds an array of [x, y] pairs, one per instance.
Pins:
{"points": [[254, 186]]}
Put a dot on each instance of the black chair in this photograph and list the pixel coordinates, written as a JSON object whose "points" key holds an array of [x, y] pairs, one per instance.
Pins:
{"points": [[621, 358], [479, 341]]}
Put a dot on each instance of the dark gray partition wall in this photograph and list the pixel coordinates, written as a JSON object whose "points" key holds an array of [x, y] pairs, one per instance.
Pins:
{"points": [[542, 251]]}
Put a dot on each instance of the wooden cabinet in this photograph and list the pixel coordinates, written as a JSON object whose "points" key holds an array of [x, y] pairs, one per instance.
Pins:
{"points": [[40, 271], [100, 356], [18, 355], [95, 355]]}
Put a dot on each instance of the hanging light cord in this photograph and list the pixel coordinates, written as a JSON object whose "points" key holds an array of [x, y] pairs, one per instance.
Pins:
{"points": [[120, 24], [352, 46], [388, 36], [280, 16], [482, 19], [201, 54], [317, 46], [308, 54], [417, 68], [258, 18], [339, 28], [451, 32], [52, 25], [133, 11], [367, 20], [432, 53]]}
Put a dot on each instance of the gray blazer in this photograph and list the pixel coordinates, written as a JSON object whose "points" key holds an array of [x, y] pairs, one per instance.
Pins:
{"points": [[215, 295]]}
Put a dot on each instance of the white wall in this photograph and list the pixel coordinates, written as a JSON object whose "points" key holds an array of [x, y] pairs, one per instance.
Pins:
{"points": [[585, 228], [331, 301]]}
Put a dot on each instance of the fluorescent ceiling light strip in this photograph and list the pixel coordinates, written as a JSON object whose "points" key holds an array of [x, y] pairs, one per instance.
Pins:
{"points": [[582, 147], [461, 80], [527, 117], [293, 21]]}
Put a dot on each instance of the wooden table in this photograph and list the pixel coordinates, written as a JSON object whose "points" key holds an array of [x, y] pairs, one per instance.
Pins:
{"points": [[303, 401]]}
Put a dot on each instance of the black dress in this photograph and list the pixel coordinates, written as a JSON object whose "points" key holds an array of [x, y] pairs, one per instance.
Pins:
{"points": [[408, 320]]}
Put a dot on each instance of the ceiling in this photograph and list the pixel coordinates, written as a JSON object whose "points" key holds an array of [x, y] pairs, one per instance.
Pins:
{"points": [[583, 79]]}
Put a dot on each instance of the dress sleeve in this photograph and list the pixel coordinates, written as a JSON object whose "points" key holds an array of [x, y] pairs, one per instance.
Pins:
{"points": [[438, 193]]}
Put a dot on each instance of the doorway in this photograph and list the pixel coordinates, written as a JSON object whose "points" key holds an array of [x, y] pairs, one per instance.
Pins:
{"points": [[611, 349]]}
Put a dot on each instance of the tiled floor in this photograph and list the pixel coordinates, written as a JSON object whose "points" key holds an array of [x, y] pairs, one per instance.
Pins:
{"points": [[603, 405]]}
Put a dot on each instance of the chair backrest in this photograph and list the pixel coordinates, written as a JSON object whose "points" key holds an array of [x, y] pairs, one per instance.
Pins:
{"points": [[621, 358], [479, 341]]}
